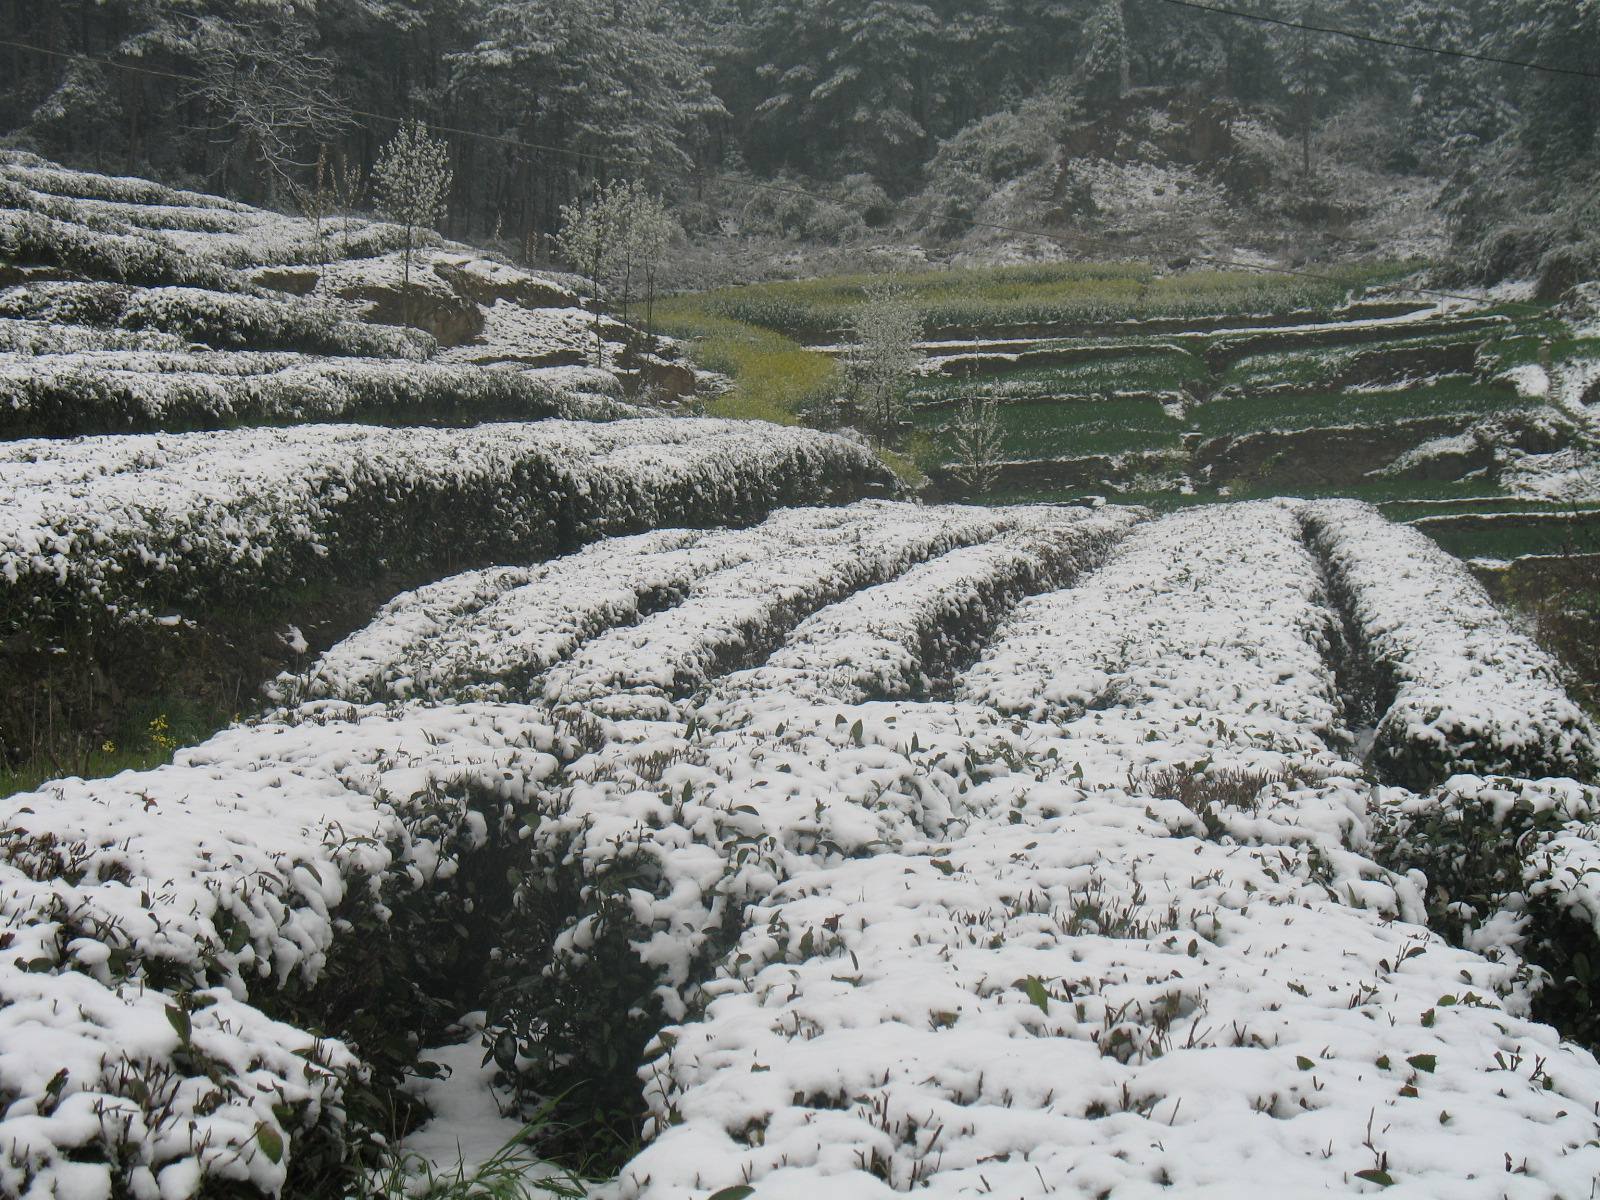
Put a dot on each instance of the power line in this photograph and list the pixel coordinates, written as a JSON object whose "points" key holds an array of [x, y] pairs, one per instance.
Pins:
{"points": [[1376, 40], [753, 185]]}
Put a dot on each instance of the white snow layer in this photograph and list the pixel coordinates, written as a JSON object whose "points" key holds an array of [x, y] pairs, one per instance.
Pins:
{"points": [[1108, 922], [122, 521], [1467, 692]]}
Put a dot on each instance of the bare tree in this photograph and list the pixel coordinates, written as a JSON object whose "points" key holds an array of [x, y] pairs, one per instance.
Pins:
{"points": [[411, 182], [348, 183], [617, 239], [268, 93], [588, 241], [654, 231], [881, 357], [316, 203], [977, 437]]}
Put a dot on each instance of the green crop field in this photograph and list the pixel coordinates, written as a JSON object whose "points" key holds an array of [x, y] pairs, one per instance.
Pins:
{"points": [[1043, 429], [818, 310], [1253, 412]]}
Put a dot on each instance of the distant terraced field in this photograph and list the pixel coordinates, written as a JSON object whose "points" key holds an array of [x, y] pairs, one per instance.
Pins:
{"points": [[1111, 381]]}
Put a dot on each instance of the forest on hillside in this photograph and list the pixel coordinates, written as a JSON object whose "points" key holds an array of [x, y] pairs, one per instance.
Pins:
{"points": [[902, 114]]}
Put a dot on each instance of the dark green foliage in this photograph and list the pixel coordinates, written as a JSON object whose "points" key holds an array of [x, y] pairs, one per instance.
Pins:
{"points": [[868, 103], [1483, 847]]}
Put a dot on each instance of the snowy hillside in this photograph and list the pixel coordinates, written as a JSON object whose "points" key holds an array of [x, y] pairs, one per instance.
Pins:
{"points": [[128, 306], [674, 784]]}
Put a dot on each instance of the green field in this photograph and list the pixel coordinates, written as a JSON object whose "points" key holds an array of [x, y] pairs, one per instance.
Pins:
{"points": [[1096, 401], [1254, 412], [1140, 370], [819, 310], [1080, 428]]}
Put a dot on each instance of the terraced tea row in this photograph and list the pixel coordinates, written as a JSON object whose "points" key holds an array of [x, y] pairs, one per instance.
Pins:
{"points": [[124, 528], [1461, 403], [837, 939], [166, 311], [644, 620]]}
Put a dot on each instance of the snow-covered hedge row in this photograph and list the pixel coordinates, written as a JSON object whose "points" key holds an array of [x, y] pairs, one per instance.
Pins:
{"points": [[65, 395], [135, 525], [48, 337], [898, 639], [1211, 619], [156, 924], [223, 233], [1463, 692], [639, 620], [642, 871], [1513, 873], [221, 320], [40, 175], [735, 616], [1089, 1002], [494, 633], [36, 240]]}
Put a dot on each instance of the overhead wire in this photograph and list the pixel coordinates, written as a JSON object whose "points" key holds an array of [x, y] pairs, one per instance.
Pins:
{"points": [[1379, 40]]}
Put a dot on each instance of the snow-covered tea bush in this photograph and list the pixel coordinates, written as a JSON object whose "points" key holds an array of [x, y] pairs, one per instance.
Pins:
{"points": [[221, 320], [128, 527], [1513, 873], [1118, 917], [900, 639], [67, 394], [1463, 692], [1207, 625], [32, 239], [156, 924]]}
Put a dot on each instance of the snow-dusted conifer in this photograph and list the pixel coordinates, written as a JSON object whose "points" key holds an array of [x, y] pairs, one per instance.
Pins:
{"points": [[411, 182]]}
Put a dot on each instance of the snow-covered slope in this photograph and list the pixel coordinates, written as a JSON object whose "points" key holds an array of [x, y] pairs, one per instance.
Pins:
{"points": [[1110, 909], [126, 306]]}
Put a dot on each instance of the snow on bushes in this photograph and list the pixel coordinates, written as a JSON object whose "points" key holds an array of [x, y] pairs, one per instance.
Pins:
{"points": [[221, 320], [128, 527], [494, 633], [895, 640], [36, 240], [124, 1090], [41, 337], [1209, 625], [641, 872], [60, 395], [222, 234], [678, 604], [734, 616], [1513, 873], [1096, 1004], [1119, 927], [42, 176], [152, 922], [1463, 692]]}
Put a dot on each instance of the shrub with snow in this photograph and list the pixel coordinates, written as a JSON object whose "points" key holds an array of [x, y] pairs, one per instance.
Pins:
{"points": [[125, 527], [1463, 692]]}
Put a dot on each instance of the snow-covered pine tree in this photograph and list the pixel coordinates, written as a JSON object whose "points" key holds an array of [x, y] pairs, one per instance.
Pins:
{"points": [[1105, 65], [411, 182]]}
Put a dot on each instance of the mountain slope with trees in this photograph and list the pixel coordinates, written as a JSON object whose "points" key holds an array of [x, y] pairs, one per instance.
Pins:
{"points": [[870, 107]]}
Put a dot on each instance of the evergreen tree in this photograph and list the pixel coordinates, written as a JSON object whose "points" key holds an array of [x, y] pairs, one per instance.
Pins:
{"points": [[410, 183], [1105, 60]]}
